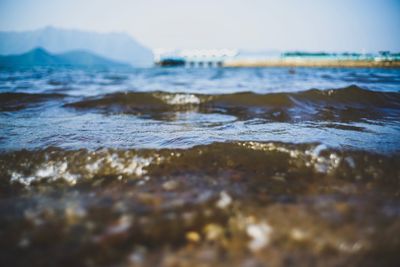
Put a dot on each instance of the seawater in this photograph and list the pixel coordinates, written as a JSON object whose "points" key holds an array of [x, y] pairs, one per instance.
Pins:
{"points": [[175, 166]]}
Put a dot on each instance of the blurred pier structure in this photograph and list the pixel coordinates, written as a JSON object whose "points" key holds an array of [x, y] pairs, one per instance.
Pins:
{"points": [[383, 59], [194, 58], [210, 58]]}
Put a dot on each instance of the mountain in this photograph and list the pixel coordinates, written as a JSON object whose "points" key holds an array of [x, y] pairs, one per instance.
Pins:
{"points": [[115, 46], [40, 57]]}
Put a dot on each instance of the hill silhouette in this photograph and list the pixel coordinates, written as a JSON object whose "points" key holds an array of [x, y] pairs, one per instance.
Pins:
{"points": [[41, 57], [115, 46]]}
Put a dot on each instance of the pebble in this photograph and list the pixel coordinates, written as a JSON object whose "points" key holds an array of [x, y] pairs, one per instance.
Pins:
{"points": [[192, 236], [170, 185], [260, 235], [224, 200]]}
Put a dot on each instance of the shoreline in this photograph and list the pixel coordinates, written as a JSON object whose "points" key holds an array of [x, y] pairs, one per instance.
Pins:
{"points": [[313, 63]]}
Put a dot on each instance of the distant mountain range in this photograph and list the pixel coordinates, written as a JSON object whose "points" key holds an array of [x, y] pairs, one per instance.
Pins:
{"points": [[40, 57], [114, 46]]}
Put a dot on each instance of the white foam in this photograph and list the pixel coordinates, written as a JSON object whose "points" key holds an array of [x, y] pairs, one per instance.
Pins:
{"points": [[50, 170], [94, 167], [312, 157], [181, 99], [19, 178], [114, 164], [135, 166]]}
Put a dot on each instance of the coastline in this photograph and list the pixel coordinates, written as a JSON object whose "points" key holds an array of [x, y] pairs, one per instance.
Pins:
{"points": [[313, 63]]}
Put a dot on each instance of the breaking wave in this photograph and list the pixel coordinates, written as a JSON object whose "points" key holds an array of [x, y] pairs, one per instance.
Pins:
{"points": [[17, 101], [270, 162], [346, 104]]}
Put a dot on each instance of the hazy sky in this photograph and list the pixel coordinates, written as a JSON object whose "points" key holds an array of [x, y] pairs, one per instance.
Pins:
{"points": [[332, 25]]}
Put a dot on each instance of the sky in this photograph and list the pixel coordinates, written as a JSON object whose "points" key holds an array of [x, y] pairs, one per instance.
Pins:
{"points": [[258, 25]]}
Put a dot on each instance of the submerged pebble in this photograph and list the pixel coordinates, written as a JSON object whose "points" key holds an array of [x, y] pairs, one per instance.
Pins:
{"points": [[260, 234], [224, 200]]}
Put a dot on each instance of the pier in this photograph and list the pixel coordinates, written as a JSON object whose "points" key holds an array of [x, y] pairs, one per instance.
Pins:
{"points": [[214, 58], [194, 58]]}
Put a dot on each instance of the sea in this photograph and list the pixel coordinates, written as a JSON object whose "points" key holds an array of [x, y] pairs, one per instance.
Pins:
{"points": [[200, 166]]}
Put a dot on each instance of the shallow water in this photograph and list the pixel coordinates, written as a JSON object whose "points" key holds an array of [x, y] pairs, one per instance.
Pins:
{"points": [[215, 167], [171, 108]]}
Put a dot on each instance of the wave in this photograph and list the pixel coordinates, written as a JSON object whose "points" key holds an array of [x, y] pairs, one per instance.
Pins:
{"points": [[265, 160], [17, 101], [345, 104], [240, 196]]}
